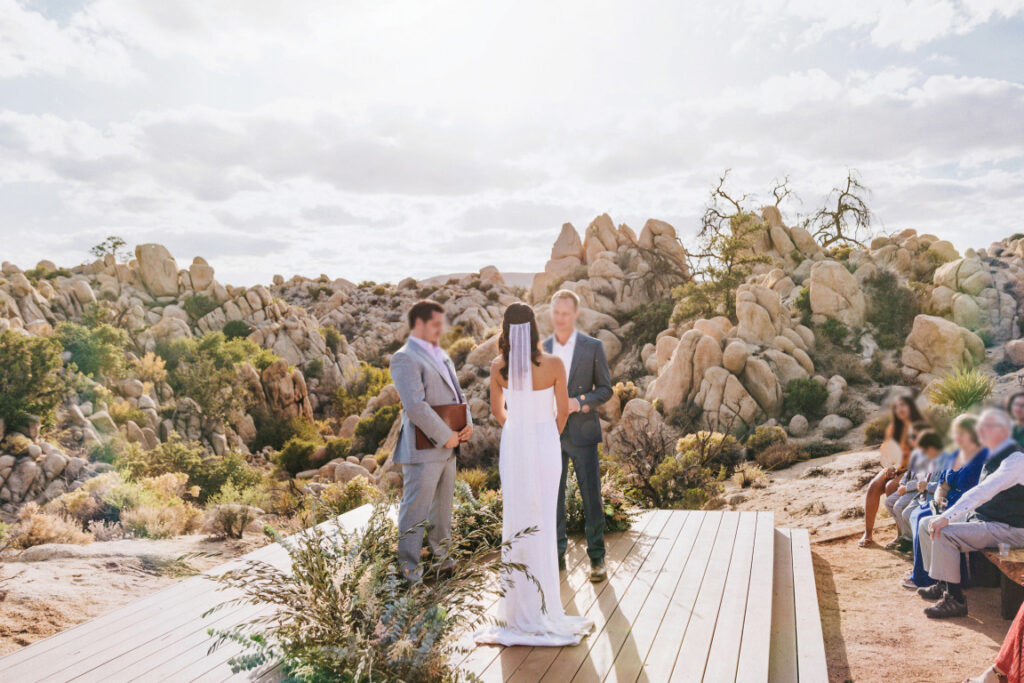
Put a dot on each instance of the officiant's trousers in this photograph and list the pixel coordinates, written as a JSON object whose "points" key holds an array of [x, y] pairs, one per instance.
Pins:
{"points": [[588, 476], [427, 492]]}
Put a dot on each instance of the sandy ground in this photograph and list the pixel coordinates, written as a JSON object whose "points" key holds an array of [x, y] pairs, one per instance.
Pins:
{"points": [[874, 629], [61, 585]]}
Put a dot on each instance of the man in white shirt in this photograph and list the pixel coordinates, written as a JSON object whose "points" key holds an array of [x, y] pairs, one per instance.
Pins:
{"points": [[985, 516]]}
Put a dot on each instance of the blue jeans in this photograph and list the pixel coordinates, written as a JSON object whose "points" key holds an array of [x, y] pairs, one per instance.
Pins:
{"points": [[920, 576], [588, 476]]}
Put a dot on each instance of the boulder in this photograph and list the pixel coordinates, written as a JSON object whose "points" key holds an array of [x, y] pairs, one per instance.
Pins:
{"points": [[836, 294], [936, 346], [567, 244], [834, 426], [798, 426], [157, 269]]}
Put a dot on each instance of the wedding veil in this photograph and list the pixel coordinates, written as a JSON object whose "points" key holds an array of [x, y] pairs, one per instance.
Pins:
{"points": [[520, 374]]}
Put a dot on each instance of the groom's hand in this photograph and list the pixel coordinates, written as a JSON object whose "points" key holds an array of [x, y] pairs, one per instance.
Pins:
{"points": [[574, 405], [466, 432], [453, 440]]}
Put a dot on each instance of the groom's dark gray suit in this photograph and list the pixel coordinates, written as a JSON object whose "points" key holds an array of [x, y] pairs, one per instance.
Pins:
{"points": [[428, 475], [589, 377]]}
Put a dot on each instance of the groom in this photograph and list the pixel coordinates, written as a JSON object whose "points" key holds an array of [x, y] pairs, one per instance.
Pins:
{"points": [[424, 376], [589, 383]]}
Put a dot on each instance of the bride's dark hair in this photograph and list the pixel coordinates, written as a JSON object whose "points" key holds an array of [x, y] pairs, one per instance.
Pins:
{"points": [[518, 313]]}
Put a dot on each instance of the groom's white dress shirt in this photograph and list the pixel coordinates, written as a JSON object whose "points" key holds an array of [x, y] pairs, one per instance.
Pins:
{"points": [[564, 351], [438, 355]]}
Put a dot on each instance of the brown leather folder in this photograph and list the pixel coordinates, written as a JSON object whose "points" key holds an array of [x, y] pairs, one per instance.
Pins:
{"points": [[454, 415]]}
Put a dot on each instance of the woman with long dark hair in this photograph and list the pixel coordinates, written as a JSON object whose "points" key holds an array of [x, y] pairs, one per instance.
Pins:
{"points": [[903, 414]]}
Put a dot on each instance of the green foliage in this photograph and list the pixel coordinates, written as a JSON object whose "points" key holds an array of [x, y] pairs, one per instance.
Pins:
{"points": [[338, 447], [198, 305], [236, 329], [460, 348], [891, 308], [296, 456], [835, 331], [233, 510], [314, 369], [764, 436], [648, 321], [475, 477], [373, 430], [961, 390], [881, 372], [30, 383], [274, 430], [803, 304], [98, 351], [714, 448], [618, 513], [687, 480], [345, 614], [476, 518], [208, 473], [332, 337], [351, 399], [804, 397], [874, 431], [819, 448], [338, 498], [113, 245]]}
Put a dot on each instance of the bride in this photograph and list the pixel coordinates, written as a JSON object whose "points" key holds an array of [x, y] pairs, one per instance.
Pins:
{"points": [[527, 386]]}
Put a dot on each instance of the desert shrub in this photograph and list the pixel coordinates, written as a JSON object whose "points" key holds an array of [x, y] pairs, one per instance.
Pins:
{"points": [[332, 337], [803, 305], [892, 308], [275, 430], [1005, 366], [819, 448], [236, 329], [835, 331], [344, 608], [849, 366], [625, 392], [338, 498], [764, 436], [338, 447], [78, 505], [106, 451], [374, 429], [881, 372], [150, 368], [687, 480], [30, 383], [314, 369], [351, 398], [232, 511], [714, 448], [475, 477], [648, 321], [637, 450], [852, 411], [97, 352], [874, 432], [749, 474], [804, 397], [122, 411], [618, 513], [154, 508], [16, 444], [205, 471], [460, 348], [296, 456], [779, 456], [476, 518], [962, 389], [35, 527], [199, 305]]}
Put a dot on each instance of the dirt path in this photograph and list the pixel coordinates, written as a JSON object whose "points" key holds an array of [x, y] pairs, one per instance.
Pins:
{"points": [[874, 629], [65, 585]]}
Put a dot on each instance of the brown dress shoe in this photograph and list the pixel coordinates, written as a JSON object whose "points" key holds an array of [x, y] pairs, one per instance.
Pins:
{"points": [[597, 571]]}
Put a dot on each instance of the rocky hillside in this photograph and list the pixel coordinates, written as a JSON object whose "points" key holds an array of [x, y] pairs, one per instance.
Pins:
{"points": [[854, 320]]}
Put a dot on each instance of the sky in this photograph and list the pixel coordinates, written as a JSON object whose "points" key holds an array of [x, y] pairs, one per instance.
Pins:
{"points": [[379, 140]]}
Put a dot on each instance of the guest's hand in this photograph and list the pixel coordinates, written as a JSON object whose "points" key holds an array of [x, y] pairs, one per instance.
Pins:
{"points": [[585, 408], [889, 471], [466, 432], [901, 490], [453, 440], [574, 405], [922, 486], [936, 525]]}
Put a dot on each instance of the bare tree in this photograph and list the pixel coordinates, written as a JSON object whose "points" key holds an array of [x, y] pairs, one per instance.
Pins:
{"points": [[845, 219]]}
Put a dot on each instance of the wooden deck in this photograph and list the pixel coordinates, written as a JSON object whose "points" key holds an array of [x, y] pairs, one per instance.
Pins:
{"points": [[690, 595]]}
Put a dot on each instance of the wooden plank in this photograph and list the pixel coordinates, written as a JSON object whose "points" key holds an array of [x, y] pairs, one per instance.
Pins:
{"points": [[569, 660], [629, 661], [757, 626], [782, 661], [531, 662], [616, 631], [672, 630], [692, 656], [810, 642], [724, 653]]}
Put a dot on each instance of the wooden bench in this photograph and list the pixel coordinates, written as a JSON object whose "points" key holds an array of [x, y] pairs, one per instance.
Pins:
{"points": [[1011, 579], [797, 642]]}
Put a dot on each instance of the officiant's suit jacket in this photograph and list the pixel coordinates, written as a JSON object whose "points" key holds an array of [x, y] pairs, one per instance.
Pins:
{"points": [[589, 375], [421, 385]]}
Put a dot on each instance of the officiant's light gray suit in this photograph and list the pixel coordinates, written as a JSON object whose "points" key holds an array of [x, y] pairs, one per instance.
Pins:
{"points": [[428, 475]]}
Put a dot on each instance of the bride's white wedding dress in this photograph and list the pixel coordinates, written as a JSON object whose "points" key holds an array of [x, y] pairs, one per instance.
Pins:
{"points": [[530, 466]]}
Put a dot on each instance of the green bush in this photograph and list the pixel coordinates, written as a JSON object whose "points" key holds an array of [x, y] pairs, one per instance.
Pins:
{"points": [[779, 456], [803, 305], [962, 389], [874, 431], [764, 436], [687, 480], [199, 305], [338, 498], [274, 430], [819, 448], [30, 381], [618, 513], [891, 308], [237, 329], [460, 348], [338, 447], [648, 321], [804, 397], [296, 456], [332, 337], [835, 331], [97, 352], [714, 448], [314, 369], [475, 477], [373, 430], [351, 399]]}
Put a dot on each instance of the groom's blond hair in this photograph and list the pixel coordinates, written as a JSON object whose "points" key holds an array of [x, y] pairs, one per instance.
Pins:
{"points": [[566, 294]]}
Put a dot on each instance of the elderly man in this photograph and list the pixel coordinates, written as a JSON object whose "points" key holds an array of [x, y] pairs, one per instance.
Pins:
{"points": [[994, 513]]}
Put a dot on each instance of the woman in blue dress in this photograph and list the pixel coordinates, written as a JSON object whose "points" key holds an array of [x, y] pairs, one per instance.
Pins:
{"points": [[952, 477]]}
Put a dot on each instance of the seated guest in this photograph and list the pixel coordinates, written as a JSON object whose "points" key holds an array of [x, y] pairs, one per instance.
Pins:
{"points": [[903, 414], [906, 492], [1009, 664], [954, 473], [1015, 407], [994, 513]]}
